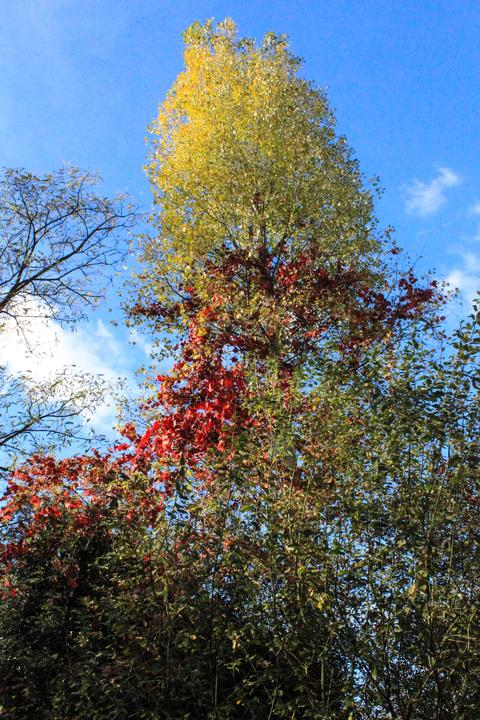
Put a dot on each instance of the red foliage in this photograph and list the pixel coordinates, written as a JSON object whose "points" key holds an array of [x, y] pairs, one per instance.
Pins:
{"points": [[200, 406], [75, 494], [307, 300]]}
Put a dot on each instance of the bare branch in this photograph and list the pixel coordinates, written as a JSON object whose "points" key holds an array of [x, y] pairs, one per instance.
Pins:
{"points": [[60, 240]]}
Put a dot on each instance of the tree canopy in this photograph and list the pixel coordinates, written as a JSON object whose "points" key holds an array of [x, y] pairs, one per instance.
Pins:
{"points": [[245, 156]]}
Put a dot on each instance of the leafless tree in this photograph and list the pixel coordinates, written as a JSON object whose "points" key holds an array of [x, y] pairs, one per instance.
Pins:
{"points": [[60, 242]]}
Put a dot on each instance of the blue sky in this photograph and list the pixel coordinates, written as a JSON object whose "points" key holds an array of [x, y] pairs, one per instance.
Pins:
{"points": [[81, 79]]}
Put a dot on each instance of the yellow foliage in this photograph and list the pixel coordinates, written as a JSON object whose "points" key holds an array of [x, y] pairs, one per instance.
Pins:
{"points": [[244, 154]]}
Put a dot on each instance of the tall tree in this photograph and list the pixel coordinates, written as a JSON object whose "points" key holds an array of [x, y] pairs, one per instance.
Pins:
{"points": [[245, 158]]}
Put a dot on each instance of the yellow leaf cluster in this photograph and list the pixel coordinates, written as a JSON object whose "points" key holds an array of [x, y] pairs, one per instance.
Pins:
{"points": [[245, 154]]}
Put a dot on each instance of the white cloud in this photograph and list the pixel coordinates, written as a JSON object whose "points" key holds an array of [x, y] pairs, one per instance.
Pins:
{"points": [[41, 349], [425, 198], [136, 338], [475, 210], [466, 278]]}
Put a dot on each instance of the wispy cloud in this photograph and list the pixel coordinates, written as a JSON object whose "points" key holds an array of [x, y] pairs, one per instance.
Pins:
{"points": [[475, 211], [136, 338], [40, 350], [425, 198], [466, 277]]}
